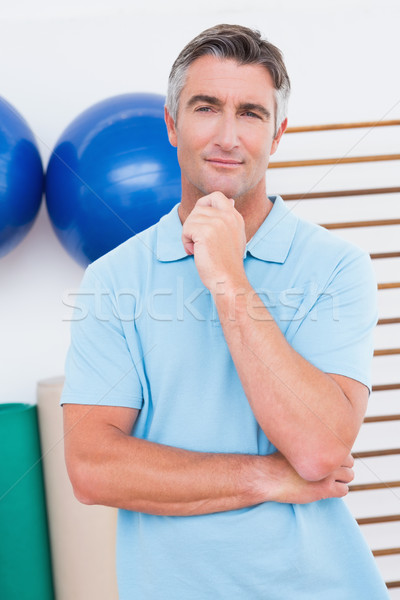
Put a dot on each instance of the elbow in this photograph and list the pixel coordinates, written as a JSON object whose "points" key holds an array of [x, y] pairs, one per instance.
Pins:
{"points": [[83, 496], [313, 471], [316, 468], [81, 480]]}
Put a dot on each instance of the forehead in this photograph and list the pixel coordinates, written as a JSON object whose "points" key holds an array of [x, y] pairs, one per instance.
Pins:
{"points": [[225, 78]]}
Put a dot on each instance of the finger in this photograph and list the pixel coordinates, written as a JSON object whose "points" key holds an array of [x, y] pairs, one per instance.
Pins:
{"points": [[195, 226], [344, 475], [199, 218], [341, 490], [216, 199], [203, 211], [348, 462], [189, 247]]}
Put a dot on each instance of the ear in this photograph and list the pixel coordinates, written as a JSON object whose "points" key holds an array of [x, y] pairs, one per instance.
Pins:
{"points": [[172, 136], [278, 136]]}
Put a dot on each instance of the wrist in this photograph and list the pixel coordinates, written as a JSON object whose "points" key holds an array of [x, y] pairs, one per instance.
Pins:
{"points": [[231, 297], [263, 479]]}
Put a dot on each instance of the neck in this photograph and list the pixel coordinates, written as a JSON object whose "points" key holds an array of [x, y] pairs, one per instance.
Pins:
{"points": [[254, 215]]}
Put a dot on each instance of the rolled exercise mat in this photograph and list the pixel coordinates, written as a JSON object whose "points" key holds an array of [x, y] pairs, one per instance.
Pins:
{"points": [[25, 564], [82, 537]]}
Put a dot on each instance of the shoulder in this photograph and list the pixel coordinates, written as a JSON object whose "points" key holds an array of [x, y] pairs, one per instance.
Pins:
{"points": [[128, 261], [324, 251], [313, 237]]}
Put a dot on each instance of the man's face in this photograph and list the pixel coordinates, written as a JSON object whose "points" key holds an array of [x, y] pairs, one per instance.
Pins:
{"points": [[225, 129]]}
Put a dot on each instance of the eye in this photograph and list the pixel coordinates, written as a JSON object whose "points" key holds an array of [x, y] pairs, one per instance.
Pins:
{"points": [[251, 114], [203, 109]]}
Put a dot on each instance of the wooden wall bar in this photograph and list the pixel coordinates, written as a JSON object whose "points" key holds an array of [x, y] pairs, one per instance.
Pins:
{"points": [[336, 126], [393, 253]]}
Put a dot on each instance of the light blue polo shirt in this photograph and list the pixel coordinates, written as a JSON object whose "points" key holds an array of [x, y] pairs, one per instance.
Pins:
{"points": [[146, 335]]}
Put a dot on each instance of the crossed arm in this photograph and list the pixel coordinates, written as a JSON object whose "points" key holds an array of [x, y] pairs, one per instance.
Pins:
{"points": [[311, 417], [108, 466]]}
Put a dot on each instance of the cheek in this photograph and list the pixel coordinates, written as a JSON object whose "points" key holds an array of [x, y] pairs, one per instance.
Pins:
{"points": [[192, 152], [186, 154], [257, 143], [267, 150], [201, 132], [260, 151], [181, 155], [194, 138]]}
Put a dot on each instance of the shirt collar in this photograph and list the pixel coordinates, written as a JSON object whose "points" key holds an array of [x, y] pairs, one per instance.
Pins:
{"points": [[274, 237], [271, 242], [169, 237]]}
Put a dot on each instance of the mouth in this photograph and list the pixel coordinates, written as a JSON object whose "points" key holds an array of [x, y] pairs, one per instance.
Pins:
{"points": [[224, 162]]}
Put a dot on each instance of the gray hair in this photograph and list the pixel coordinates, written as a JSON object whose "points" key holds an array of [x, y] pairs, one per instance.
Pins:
{"points": [[242, 44]]}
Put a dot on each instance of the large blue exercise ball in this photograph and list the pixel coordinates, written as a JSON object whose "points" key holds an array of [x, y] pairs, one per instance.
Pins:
{"points": [[21, 178], [112, 174]]}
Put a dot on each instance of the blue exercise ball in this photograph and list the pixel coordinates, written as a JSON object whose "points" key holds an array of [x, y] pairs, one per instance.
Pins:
{"points": [[21, 178], [112, 174]]}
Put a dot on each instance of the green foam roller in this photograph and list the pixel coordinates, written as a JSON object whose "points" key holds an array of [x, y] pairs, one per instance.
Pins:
{"points": [[25, 560]]}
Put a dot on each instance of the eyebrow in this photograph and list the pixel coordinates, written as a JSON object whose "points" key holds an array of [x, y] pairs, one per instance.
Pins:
{"points": [[204, 98], [257, 107], [214, 101]]}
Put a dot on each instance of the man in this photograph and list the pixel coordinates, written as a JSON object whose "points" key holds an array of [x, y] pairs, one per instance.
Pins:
{"points": [[219, 377]]}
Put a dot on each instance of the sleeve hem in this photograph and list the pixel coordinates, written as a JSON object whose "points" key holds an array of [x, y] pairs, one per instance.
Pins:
{"points": [[124, 402], [352, 374]]}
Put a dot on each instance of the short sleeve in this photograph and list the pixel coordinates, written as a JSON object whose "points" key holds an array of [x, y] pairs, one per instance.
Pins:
{"points": [[337, 333], [99, 368]]}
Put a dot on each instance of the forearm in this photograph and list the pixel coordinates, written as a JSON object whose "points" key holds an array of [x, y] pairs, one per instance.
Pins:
{"points": [[107, 466], [302, 410], [131, 473]]}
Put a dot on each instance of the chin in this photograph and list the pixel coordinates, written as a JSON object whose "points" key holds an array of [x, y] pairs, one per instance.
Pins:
{"points": [[208, 185], [228, 191]]}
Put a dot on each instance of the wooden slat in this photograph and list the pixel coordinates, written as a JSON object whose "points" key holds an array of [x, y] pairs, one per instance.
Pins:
{"points": [[341, 160], [386, 387], [386, 551], [374, 486], [389, 321], [386, 351], [374, 520], [381, 418], [340, 193], [351, 224], [334, 126], [375, 255], [392, 584], [372, 453], [382, 286], [389, 286]]}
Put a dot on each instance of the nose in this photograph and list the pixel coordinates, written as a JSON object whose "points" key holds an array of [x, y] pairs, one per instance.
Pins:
{"points": [[227, 132]]}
